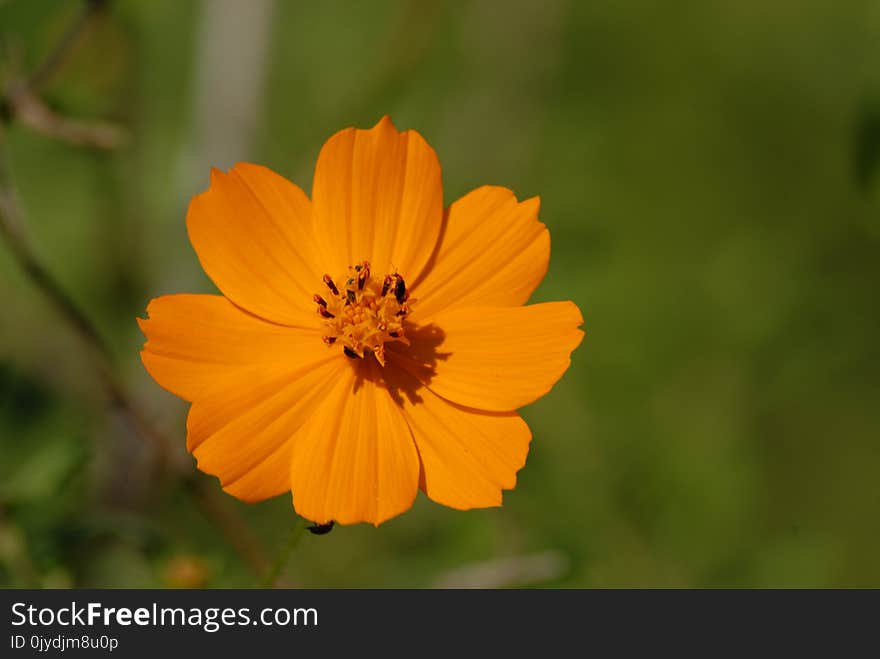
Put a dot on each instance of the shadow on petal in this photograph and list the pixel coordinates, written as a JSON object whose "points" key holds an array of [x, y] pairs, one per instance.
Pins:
{"points": [[409, 368]]}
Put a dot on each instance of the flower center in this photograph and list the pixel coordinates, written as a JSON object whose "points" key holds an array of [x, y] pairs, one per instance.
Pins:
{"points": [[365, 312]]}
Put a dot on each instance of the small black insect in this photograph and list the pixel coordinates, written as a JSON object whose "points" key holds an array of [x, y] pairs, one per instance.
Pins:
{"points": [[350, 353], [321, 529]]}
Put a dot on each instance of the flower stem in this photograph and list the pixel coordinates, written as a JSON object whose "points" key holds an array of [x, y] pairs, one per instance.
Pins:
{"points": [[284, 554]]}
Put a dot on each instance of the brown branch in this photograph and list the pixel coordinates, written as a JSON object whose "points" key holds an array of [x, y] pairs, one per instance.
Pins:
{"points": [[33, 112], [21, 100]]}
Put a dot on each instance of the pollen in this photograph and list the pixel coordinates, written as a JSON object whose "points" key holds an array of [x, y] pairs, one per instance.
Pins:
{"points": [[362, 313]]}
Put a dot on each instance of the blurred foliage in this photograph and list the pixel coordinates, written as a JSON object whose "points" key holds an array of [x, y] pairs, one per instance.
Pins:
{"points": [[710, 173]]}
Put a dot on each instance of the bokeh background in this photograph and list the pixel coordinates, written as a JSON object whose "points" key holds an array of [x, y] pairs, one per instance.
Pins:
{"points": [[709, 172]]}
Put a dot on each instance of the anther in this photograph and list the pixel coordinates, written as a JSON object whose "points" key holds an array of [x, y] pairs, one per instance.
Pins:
{"points": [[349, 296], [363, 270], [320, 300], [386, 285], [350, 353], [329, 340], [324, 313], [400, 290], [331, 285]]}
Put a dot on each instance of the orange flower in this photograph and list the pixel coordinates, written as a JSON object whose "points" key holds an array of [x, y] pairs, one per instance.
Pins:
{"points": [[368, 343]]}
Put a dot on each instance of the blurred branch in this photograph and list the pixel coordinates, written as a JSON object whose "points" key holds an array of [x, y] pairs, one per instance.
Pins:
{"points": [[59, 55], [20, 101], [205, 495], [12, 230], [33, 112]]}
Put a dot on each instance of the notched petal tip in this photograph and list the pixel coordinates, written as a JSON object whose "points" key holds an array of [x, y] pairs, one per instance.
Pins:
{"points": [[219, 176], [215, 177], [244, 165], [385, 122], [142, 323], [384, 127], [502, 194], [532, 205]]}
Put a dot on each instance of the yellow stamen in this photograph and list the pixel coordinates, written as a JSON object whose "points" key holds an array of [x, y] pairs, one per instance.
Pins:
{"points": [[364, 314]]}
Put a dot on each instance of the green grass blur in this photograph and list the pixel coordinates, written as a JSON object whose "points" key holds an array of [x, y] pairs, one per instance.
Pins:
{"points": [[709, 172]]}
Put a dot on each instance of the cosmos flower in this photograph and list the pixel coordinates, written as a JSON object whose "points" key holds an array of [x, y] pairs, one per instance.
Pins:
{"points": [[367, 342]]}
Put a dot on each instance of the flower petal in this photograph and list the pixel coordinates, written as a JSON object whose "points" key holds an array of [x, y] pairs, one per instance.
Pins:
{"points": [[242, 431], [354, 460], [493, 252], [377, 195], [468, 457], [195, 340], [496, 358], [252, 232]]}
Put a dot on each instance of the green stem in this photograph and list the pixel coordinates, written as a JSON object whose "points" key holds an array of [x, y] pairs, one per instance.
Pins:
{"points": [[296, 533]]}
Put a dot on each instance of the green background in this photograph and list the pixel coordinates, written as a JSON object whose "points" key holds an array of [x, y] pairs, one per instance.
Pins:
{"points": [[709, 175]]}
